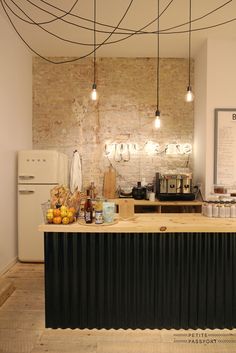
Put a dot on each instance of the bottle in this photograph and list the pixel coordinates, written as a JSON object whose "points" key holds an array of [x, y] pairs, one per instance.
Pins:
{"points": [[98, 212], [92, 191], [88, 209]]}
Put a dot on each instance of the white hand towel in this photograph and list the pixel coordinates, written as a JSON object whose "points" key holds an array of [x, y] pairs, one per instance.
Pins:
{"points": [[75, 173]]}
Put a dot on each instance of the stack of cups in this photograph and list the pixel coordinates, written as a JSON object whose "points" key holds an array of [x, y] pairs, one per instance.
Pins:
{"points": [[219, 209]]}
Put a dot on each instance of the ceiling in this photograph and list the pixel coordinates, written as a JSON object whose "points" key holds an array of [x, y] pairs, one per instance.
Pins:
{"points": [[139, 14]]}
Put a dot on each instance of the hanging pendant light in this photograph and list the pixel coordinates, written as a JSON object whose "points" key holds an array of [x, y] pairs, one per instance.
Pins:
{"points": [[157, 122], [189, 97], [94, 94]]}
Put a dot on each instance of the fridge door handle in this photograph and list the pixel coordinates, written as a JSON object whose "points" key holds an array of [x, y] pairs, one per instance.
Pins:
{"points": [[26, 191], [26, 177]]}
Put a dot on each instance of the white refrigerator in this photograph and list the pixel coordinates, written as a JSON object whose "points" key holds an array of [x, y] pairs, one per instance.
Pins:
{"points": [[38, 172]]}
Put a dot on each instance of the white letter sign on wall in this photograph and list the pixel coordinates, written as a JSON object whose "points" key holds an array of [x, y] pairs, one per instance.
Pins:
{"points": [[225, 147]]}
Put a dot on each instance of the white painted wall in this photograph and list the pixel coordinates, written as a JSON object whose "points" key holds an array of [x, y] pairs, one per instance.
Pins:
{"points": [[15, 132], [215, 77]]}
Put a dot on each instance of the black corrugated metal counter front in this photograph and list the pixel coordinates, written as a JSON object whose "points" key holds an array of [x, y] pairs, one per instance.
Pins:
{"points": [[135, 280]]}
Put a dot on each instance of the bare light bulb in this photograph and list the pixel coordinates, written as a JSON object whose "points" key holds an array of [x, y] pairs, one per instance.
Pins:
{"points": [[94, 95], [157, 122], [189, 96]]}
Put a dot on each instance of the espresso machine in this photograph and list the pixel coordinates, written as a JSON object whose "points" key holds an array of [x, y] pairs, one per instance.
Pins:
{"points": [[174, 187]]}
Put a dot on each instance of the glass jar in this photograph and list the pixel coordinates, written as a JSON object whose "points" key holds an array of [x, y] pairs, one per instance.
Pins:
{"points": [[215, 210], [222, 210]]}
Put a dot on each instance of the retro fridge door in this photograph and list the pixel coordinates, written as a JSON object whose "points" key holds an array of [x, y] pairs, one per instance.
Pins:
{"points": [[30, 215], [38, 167]]}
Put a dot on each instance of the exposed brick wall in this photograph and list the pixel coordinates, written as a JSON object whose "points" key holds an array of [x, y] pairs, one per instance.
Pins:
{"points": [[64, 117]]}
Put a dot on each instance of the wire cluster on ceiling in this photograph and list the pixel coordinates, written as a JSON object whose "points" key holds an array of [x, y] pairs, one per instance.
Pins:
{"points": [[15, 10]]}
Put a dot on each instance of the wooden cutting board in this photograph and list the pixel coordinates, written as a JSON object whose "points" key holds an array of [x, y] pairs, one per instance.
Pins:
{"points": [[126, 209], [109, 187]]}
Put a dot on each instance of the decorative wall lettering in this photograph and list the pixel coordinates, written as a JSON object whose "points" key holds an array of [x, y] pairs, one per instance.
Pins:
{"points": [[123, 151]]}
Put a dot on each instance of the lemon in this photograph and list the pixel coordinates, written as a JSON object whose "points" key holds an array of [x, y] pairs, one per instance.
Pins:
{"points": [[65, 220]]}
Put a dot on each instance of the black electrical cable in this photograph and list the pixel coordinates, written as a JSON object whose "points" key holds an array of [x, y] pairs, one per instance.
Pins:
{"points": [[135, 32], [76, 42], [198, 18], [94, 41], [158, 56], [33, 50], [189, 42], [80, 43], [127, 30], [113, 32], [75, 59], [85, 19], [55, 18], [42, 28]]}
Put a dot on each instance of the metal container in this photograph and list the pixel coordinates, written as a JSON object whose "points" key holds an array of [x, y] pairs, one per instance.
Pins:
{"points": [[179, 186], [186, 183], [171, 184], [163, 184]]}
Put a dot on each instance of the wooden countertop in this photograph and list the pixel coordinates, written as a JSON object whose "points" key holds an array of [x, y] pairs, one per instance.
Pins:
{"points": [[152, 223]]}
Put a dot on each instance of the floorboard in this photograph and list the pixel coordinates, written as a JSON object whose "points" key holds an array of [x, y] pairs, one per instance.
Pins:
{"points": [[22, 328]]}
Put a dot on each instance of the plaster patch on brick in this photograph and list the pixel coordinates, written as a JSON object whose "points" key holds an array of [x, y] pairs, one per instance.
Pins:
{"points": [[64, 117]]}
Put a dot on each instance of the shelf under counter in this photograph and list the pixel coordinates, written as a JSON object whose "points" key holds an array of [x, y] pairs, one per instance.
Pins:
{"points": [[194, 206]]}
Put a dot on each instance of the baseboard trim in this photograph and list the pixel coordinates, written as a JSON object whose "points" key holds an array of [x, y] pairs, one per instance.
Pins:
{"points": [[8, 266], [6, 289]]}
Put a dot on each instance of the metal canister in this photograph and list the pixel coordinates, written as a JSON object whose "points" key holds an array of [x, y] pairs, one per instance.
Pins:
{"points": [[171, 184], [186, 183], [179, 184], [163, 184]]}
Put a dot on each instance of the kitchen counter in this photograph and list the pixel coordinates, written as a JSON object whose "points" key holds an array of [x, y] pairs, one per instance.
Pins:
{"points": [[155, 271], [152, 222]]}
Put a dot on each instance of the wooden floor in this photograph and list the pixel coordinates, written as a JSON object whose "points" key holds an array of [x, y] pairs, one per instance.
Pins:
{"points": [[22, 328]]}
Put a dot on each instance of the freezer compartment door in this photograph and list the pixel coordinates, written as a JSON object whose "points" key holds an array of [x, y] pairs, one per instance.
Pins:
{"points": [[30, 215], [39, 167]]}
